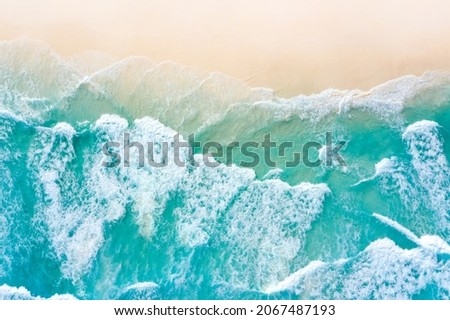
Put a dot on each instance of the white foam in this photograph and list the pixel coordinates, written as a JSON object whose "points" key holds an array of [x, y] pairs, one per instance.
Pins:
{"points": [[14, 293], [21, 293], [386, 101], [73, 227], [140, 290], [265, 231], [142, 286], [273, 174], [395, 177], [75, 214], [434, 243], [428, 159], [207, 193], [114, 122], [152, 186], [423, 126], [10, 115], [322, 156], [11, 204], [65, 129], [187, 99], [381, 271], [429, 242], [15, 105], [386, 165], [146, 188], [107, 186], [397, 226], [290, 282], [167, 89]]}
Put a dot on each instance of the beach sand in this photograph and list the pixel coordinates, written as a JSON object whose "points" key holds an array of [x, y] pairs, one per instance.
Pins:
{"points": [[292, 46]]}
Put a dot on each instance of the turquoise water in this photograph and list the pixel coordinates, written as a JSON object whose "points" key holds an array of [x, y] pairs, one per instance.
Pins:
{"points": [[377, 228]]}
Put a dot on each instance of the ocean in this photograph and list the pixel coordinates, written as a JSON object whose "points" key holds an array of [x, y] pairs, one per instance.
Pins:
{"points": [[375, 225]]}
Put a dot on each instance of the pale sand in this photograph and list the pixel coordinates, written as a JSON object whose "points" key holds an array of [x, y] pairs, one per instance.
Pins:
{"points": [[292, 46]]}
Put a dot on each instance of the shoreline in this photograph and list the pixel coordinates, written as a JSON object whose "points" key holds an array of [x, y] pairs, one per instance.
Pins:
{"points": [[293, 47]]}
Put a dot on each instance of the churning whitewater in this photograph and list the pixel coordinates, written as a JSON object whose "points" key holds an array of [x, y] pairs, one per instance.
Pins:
{"points": [[73, 228]]}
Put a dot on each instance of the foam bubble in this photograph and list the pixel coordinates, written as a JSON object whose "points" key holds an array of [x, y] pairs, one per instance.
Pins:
{"points": [[207, 194], [139, 291], [22, 293], [396, 177], [381, 271], [263, 243], [409, 234], [428, 159], [73, 227], [273, 174], [291, 281]]}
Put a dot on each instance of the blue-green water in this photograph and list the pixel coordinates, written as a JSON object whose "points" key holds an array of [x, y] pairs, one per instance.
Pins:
{"points": [[377, 228]]}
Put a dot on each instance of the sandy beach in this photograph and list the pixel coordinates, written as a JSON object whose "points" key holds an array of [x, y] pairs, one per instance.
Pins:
{"points": [[291, 46]]}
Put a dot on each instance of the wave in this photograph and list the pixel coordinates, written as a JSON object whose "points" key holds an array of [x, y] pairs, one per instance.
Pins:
{"points": [[77, 198], [381, 271], [183, 98], [21, 293], [179, 232]]}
